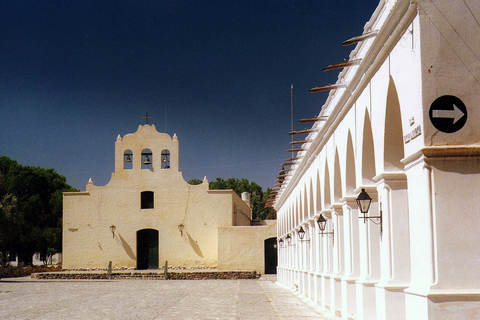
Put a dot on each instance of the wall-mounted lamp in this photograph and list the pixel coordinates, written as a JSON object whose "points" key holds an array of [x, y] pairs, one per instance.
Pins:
{"points": [[363, 202], [112, 230], [181, 227], [289, 239], [322, 223], [280, 242], [301, 234]]}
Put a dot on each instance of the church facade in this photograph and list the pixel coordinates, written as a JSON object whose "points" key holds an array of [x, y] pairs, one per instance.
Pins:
{"points": [[147, 214], [399, 128]]}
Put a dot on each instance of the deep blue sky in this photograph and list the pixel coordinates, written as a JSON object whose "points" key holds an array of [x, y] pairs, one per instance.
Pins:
{"points": [[75, 74]]}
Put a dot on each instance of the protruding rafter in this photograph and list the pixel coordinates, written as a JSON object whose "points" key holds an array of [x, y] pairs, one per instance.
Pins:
{"points": [[360, 38], [321, 118], [344, 64], [299, 142], [295, 150], [301, 131], [328, 88]]}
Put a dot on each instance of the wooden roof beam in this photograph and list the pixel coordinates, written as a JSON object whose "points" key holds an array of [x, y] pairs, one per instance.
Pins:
{"points": [[328, 87], [344, 64], [301, 131], [360, 38], [299, 142], [322, 118]]}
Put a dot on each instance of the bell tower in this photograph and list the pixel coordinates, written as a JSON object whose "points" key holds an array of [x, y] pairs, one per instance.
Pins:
{"points": [[147, 149]]}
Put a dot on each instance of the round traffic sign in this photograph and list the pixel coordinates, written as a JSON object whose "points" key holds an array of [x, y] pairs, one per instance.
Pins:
{"points": [[448, 114]]}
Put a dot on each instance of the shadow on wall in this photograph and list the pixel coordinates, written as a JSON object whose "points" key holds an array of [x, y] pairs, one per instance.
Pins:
{"points": [[127, 248], [193, 244]]}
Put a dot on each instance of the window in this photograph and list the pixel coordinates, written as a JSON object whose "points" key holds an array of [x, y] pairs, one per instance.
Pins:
{"points": [[165, 159], [147, 200], [128, 159], [147, 159]]}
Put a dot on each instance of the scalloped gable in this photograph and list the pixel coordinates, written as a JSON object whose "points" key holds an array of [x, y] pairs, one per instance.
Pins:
{"points": [[146, 131]]}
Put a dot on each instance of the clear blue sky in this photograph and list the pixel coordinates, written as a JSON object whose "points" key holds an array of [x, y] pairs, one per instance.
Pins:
{"points": [[75, 74]]}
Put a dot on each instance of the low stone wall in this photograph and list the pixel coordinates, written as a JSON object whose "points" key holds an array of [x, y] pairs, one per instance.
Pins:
{"points": [[184, 275], [213, 275]]}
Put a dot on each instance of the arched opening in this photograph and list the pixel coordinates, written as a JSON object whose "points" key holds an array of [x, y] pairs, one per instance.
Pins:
{"points": [[350, 167], [147, 159], [311, 203], [305, 205], [393, 137], [165, 159], [337, 179], [147, 249], [326, 192], [298, 207], [271, 258], [128, 159], [319, 194], [368, 153]]}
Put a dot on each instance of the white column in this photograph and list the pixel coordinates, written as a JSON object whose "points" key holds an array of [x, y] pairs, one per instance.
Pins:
{"points": [[352, 257], [369, 259], [421, 235], [395, 246], [338, 256], [328, 271]]}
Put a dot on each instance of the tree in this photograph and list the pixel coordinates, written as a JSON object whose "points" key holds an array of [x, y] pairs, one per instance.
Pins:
{"points": [[258, 198], [195, 181], [9, 228], [31, 208]]}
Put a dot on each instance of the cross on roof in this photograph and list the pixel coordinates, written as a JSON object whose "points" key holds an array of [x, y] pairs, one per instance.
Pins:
{"points": [[147, 117]]}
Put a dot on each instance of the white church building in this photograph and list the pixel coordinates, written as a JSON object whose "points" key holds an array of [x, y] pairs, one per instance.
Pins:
{"points": [[400, 127], [148, 214]]}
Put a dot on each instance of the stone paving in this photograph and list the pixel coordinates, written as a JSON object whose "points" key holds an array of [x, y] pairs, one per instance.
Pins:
{"points": [[27, 298]]}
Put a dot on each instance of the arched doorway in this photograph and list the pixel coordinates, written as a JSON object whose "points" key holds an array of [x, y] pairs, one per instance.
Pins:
{"points": [[147, 249], [271, 256]]}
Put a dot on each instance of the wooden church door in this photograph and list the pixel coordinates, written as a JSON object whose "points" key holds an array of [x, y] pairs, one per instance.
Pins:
{"points": [[271, 256], [147, 249]]}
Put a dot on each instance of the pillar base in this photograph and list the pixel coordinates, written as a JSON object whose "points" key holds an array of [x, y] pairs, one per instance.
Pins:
{"points": [[366, 306], [349, 297], [390, 301], [443, 304]]}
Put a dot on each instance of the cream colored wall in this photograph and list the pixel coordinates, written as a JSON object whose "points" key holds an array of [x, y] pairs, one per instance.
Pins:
{"points": [[88, 241], [242, 248]]}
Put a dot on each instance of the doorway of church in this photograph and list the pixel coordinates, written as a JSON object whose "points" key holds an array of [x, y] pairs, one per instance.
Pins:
{"points": [[270, 245], [147, 249]]}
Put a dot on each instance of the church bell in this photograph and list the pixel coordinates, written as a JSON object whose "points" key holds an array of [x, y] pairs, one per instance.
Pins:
{"points": [[147, 160]]}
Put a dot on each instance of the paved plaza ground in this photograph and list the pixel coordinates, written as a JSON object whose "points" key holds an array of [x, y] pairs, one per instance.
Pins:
{"points": [[27, 298]]}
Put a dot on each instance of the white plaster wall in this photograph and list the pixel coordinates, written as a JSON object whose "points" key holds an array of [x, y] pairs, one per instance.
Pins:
{"points": [[423, 49], [450, 64]]}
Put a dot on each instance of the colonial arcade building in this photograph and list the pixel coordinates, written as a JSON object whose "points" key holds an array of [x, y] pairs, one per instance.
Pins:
{"points": [[400, 130]]}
